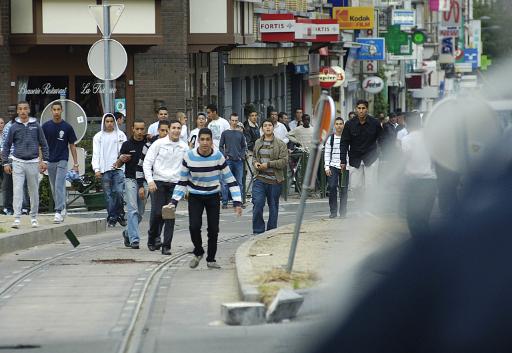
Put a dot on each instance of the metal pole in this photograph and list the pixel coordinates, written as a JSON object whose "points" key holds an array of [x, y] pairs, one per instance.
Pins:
{"points": [[107, 96], [306, 185]]}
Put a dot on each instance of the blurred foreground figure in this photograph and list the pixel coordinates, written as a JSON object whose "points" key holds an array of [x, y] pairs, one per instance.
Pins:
{"points": [[451, 290]]}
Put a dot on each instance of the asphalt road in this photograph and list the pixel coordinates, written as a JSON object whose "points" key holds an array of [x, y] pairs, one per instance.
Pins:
{"points": [[84, 300]]}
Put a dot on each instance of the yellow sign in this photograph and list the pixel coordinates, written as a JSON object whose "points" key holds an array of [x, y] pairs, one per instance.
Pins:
{"points": [[354, 17]]}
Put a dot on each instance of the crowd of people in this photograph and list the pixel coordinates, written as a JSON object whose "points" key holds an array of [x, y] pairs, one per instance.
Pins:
{"points": [[167, 163]]}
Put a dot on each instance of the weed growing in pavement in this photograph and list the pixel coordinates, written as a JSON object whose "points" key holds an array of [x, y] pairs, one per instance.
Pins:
{"points": [[3, 230], [272, 281]]}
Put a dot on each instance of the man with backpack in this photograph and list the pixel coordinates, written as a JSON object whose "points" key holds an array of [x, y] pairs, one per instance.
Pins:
{"points": [[334, 172]]}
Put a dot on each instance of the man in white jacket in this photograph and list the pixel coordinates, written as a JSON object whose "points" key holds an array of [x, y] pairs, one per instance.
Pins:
{"points": [[162, 166], [105, 150]]}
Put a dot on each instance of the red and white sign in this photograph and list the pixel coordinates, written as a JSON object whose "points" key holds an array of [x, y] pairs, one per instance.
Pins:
{"points": [[326, 30], [327, 77], [340, 76], [304, 30], [277, 27]]}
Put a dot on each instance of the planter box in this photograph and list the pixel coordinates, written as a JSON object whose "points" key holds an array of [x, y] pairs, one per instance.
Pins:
{"points": [[95, 201]]}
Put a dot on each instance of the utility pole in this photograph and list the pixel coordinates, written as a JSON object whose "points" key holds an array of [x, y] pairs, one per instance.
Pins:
{"points": [[107, 94]]}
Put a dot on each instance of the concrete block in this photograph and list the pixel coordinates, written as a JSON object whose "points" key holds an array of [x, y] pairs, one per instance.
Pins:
{"points": [[243, 313], [286, 304]]}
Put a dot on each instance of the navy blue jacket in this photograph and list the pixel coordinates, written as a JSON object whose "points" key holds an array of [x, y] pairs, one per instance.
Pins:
{"points": [[26, 141]]}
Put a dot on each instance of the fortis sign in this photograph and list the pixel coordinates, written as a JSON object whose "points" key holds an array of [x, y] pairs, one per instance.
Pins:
{"points": [[354, 17]]}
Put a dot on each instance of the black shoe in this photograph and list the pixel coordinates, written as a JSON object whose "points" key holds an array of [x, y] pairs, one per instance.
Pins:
{"points": [[111, 223], [332, 215], [224, 207], [151, 247], [158, 244], [166, 251], [126, 239], [121, 221], [135, 245]]}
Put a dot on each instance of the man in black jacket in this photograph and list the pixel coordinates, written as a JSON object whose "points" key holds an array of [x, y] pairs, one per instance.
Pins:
{"points": [[359, 139]]}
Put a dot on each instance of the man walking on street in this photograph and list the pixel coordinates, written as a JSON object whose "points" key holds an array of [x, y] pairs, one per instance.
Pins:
{"points": [[280, 130], [270, 160], [233, 147], [201, 122], [359, 139], [59, 135], [202, 170], [162, 171], [217, 124], [105, 150], [162, 114], [298, 119], [183, 118], [334, 172], [135, 187], [27, 137]]}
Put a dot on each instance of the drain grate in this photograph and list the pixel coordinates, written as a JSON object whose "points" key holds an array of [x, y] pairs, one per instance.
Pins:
{"points": [[123, 261]]}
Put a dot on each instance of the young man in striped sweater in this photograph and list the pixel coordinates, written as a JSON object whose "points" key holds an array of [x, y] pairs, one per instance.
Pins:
{"points": [[202, 170], [333, 171]]}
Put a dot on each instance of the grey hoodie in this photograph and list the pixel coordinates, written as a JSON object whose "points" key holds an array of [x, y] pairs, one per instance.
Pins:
{"points": [[26, 140]]}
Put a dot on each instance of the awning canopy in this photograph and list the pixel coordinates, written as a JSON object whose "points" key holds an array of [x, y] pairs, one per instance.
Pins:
{"points": [[268, 56]]}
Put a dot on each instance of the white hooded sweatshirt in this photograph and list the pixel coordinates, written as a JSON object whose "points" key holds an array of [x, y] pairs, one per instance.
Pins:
{"points": [[106, 147], [164, 159]]}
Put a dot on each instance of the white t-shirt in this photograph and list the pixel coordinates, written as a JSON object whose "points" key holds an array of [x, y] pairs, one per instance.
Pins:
{"points": [[153, 128], [418, 163], [184, 134], [194, 137], [218, 127]]}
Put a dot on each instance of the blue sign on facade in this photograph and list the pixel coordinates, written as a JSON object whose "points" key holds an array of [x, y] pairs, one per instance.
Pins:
{"points": [[471, 56], [302, 69], [371, 49]]}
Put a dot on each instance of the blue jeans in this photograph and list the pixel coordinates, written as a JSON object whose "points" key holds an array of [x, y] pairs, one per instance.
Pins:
{"points": [[113, 185], [237, 169], [57, 176], [135, 206], [260, 192]]}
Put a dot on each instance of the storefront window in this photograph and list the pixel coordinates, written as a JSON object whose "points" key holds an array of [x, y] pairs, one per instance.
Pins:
{"points": [[89, 94], [39, 91]]}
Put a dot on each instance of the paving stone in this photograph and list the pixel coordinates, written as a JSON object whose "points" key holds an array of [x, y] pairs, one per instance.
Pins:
{"points": [[243, 313], [285, 305]]}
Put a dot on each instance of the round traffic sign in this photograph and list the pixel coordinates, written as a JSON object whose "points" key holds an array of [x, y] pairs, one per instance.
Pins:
{"points": [[327, 77], [72, 113], [118, 59]]}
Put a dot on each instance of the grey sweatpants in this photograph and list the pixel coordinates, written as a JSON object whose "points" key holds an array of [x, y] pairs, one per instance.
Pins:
{"points": [[30, 172]]}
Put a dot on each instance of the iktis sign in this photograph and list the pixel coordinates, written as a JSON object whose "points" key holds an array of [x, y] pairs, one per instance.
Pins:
{"points": [[354, 17]]}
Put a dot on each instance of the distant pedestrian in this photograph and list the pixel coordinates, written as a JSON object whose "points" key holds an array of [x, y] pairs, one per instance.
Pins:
{"points": [[282, 117], [298, 119], [27, 137], [183, 119], [120, 121], [162, 172], [336, 177], [351, 115], [105, 150], [217, 124], [302, 135], [359, 139], [161, 114], [135, 186], [251, 130], [420, 184], [201, 122], [233, 147], [202, 170], [61, 139], [7, 185], [270, 159]]}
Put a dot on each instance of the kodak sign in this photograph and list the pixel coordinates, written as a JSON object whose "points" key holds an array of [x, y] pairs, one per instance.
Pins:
{"points": [[354, 17]]}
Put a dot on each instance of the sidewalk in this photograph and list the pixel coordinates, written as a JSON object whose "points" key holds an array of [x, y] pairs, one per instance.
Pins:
{"points": [[330, 252], [25, 237]]}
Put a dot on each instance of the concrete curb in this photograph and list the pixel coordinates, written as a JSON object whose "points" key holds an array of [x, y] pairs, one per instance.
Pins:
{"points": [[25, 238]]}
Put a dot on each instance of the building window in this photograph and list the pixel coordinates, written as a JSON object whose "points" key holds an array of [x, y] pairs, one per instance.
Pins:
{"points": [[89, 94], [39, 91]]}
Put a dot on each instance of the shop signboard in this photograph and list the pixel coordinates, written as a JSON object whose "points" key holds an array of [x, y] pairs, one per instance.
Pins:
{"points": [[373, 84], [471, 56], [371, 49], [406, 19], [277, 27], [304, 30], [370, 67], [354, 17], [326, 30]]}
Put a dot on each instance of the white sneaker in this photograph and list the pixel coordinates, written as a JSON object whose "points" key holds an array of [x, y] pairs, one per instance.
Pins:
{"points": [[195, 261], [16, 224], [58, 218], [34, 223]]}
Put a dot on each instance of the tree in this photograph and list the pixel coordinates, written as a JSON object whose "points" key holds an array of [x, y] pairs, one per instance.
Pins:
{"points": [[496, 41]]}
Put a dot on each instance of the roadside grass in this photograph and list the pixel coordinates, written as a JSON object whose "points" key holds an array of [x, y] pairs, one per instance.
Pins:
{"points": [[272, 281]]}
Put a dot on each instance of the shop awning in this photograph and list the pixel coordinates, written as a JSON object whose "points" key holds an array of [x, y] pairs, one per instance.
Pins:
{"points": [[268, 56]]}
